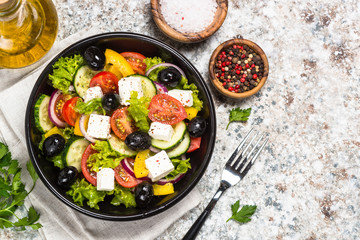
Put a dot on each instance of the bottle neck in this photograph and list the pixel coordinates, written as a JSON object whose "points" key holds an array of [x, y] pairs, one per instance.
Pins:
{"points": [[10, 7]]}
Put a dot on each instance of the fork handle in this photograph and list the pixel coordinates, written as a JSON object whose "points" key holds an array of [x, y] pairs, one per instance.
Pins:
{"points": [[195, 228]]}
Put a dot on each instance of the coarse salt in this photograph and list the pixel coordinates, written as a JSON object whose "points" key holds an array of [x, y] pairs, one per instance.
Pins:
{"points": [[188, 16]]}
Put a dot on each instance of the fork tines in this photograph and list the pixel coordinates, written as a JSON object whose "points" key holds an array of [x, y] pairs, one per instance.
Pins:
{"points": [[249, 154]]}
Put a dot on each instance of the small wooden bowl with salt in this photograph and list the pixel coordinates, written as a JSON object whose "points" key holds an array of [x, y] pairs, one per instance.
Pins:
{"points": [[189, 21]]}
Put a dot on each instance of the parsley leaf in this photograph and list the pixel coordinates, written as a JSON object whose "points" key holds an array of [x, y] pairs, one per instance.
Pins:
{"points": [[13, 193], [238, 114], [243, 216]]}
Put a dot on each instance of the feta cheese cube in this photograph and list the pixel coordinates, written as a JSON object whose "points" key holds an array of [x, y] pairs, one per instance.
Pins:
{"points": [[184, 96], [99, 126], [161, 131], [126, 86], [93, 92], [159, 166], [105, 180]]}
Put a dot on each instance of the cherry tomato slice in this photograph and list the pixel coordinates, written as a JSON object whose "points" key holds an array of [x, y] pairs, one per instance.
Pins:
{"points": [[136, 60], [68, 112], [194, 144], [124, 178], [121, 124], [107, 81], [59, 104], [166, 109], [89, 175]]}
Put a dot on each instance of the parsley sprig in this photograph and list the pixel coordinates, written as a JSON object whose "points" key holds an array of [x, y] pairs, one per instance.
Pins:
{"points": [[242, 216], [238, 114], [13, 193]]}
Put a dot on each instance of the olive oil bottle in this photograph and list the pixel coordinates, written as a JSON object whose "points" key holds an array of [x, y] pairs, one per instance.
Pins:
{"points": [[28, 29]]}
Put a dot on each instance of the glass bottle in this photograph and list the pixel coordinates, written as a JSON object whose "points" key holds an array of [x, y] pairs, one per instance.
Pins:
{"points": [[28, 29]]}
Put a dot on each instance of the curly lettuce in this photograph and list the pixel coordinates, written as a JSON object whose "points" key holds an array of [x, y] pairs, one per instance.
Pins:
{"points": [[94, 105], [82, 191], [139, 111], [183, 84], [150, 62], [64, 70], [104, 158], [181, 166]]}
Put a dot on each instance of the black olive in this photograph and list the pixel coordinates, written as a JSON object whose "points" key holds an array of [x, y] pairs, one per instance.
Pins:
{"points": [[196, 127], [143, 194], [67, 176], [169, 76], [138, 141], [110, 101], [95, 58], [53, 145]]}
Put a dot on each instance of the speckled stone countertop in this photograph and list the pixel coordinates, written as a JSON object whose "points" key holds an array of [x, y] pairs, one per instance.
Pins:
{"points": [[306, 183]]}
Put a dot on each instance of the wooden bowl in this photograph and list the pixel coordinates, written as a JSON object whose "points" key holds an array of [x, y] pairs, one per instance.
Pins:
{"points": [[218, 20], [217, 83]]}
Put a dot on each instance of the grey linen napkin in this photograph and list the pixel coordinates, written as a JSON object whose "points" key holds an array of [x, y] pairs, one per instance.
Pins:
{"points": [[58, 220]]}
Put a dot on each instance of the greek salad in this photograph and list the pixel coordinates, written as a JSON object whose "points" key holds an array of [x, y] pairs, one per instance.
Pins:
{"points": [[118, 124]]}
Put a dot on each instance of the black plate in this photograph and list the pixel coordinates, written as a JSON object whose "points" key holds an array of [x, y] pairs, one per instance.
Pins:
{"points": [[150, 47]]}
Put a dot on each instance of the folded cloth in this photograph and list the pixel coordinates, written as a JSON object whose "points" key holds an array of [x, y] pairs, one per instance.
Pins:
{"points": [[58, 220]]}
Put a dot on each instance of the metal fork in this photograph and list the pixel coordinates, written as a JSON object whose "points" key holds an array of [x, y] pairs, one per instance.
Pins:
{"points": [[234, 171]]}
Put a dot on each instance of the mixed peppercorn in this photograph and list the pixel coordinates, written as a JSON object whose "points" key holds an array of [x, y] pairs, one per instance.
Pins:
{"points": [[239, 68]]}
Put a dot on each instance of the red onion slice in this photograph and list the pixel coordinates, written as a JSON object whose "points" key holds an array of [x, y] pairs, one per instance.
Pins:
{"points": [[154, 149], [165, 65], [160, 88], [177, 178], [126, 165], [51, 110], [83, 129]]}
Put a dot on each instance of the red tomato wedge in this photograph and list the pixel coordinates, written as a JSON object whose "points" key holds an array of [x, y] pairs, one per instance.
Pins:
{"points": [[124, 178], [88, 174], [194, 144], [136, 60], [107, 81], [68, 112], [121, 124], [166, 109], [59, 104]]}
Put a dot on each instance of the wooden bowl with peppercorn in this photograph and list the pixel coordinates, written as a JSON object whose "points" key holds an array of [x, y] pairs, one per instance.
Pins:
{"points": [[238, 68], [189, 21]]}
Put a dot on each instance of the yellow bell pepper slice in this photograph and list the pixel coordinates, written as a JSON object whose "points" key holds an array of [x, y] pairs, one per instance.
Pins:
{"points": [[140, 169], [191, 112], [53, 131], [166, 189], [111, 68], [118, 62], [77, 128]]}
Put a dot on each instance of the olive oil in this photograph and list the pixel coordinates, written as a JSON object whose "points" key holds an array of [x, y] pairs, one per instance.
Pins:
{"points": [[28, 29]]}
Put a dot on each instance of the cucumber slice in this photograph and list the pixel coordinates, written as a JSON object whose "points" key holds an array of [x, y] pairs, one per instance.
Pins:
{"points": [[147, 85], [73, 152], [82, 79], [41, 114], [177, 137], [181, 148], [119, 146]]}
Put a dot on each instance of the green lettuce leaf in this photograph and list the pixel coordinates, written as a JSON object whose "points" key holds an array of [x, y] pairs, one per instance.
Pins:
{"points": [[104, 158], [139, 111], [57, 160], [64, 70], [181, 166], [183, 84], [82, 190], [150, 62], [67, 132], [123, 196], [94, 105]]}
